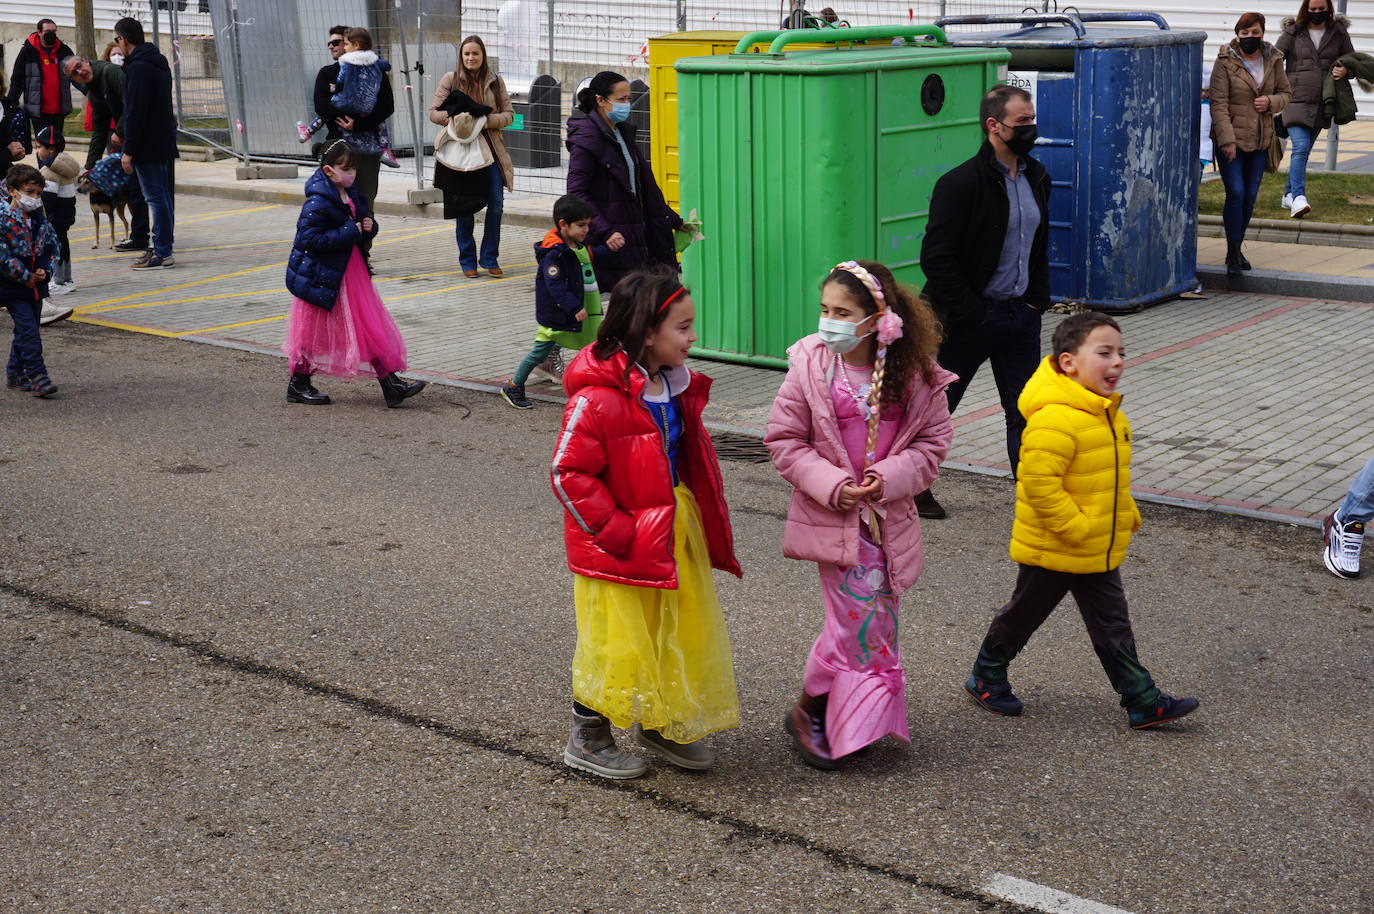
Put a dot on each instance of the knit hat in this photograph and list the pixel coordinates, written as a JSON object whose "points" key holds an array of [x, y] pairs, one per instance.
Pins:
{"points": [[51, 138]]}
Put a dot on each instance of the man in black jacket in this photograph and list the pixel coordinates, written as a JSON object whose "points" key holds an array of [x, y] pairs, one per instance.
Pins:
{"points": [[149, 134], [367, 165], [986, 262], [38, 77]]}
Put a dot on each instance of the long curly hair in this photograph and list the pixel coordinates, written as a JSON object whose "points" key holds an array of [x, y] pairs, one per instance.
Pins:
{"points": [[915, 350]]}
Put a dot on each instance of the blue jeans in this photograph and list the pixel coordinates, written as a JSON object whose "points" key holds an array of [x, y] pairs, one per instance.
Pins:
{"points": [[155, 180], [491, 235], [26, 353], [1302, 139], [1241, 175], [1359, 501]]}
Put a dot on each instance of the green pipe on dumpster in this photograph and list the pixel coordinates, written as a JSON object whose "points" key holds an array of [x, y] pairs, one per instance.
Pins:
{"points": [[753, 38], [862, 33]]}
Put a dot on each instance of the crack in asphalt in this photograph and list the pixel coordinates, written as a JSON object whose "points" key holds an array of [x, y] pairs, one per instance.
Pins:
{"points": [[477, 739]]}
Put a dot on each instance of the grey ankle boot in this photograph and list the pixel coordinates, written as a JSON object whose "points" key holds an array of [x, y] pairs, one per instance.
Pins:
{"points": [[693, 756], [592, 748]]}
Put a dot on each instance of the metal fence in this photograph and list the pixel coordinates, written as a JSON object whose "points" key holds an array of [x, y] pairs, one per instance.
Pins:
{"points": [[245, 69]]}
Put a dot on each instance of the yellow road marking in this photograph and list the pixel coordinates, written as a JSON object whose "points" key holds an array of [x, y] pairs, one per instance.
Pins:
{"points": [[81, 319], [468, 285], [86, 309], [261, 320], [213, 247], [191, 220]]}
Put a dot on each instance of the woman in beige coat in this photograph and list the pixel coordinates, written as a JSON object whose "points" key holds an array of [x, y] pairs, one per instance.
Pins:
{"points": [[1249, 87], [475, 79]]}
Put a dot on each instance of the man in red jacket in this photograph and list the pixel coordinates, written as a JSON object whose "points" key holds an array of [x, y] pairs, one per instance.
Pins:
{"points": [[38, 78]]}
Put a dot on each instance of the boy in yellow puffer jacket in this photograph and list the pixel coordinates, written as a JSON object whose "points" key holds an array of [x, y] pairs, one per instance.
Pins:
{"points": [[1074, 520]]}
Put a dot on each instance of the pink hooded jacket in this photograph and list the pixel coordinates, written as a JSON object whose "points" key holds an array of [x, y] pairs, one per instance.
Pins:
{"points": [[804, 441]]}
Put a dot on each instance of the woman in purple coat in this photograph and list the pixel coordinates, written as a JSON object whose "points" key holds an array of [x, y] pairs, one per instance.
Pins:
{"points": [[606, 169]]}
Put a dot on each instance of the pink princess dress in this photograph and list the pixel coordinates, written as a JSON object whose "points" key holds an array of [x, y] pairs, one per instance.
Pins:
{"points": [[856, 660], [355, 339]]}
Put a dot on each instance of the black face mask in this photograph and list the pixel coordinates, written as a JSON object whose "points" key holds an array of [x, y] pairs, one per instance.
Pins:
{"points": [[1251, 44], [1317, 17], [49, 38], [1022, 138]]}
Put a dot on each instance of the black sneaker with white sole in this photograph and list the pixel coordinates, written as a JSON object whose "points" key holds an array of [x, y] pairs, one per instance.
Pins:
{"points": [[128, 244], [515, 396]]}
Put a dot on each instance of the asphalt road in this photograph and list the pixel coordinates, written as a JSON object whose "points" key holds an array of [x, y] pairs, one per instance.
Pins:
{"points": [[262, 657]]}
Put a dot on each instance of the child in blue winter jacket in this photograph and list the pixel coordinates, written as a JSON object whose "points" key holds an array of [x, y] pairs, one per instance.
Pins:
{"points": [[28, 247], [567, 301], [361, 73]]}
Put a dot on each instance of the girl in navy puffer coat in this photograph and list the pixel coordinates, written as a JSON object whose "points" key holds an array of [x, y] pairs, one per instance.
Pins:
{"points": [[645, 522], [338, 323]]}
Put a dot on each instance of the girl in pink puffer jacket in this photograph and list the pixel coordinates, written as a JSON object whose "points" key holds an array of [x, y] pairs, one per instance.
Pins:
{"points": [[859, 426]]}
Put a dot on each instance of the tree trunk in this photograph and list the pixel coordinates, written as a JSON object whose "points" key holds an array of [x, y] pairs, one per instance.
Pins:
{"points": [[85, 29]]}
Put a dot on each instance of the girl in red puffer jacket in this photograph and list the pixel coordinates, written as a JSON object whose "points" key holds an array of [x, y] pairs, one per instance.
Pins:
{"points": [[645, 522]]}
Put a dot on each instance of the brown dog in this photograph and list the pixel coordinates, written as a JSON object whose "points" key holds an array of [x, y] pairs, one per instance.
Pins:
{"points": [[102, 204]]}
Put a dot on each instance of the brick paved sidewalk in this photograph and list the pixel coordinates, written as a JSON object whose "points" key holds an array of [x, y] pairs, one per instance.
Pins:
{"points": [[1240, 402]]}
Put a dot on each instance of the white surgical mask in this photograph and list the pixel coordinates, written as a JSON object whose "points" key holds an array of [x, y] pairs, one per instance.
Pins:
{"points": [[117, 59], [839, 336], [29, 204]]}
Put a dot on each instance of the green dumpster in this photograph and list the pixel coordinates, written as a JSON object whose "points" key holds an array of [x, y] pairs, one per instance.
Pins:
{"points": [[798, 160]]}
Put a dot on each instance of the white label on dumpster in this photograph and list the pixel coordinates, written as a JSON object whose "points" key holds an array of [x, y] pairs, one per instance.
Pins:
{"points": [[1025, 79]]}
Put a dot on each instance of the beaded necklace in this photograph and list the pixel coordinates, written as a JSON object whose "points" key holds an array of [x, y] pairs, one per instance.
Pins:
{"points": [[861, 396]]}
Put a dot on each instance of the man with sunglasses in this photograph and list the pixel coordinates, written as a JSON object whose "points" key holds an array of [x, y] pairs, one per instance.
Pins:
{"points": [[334, 119]]}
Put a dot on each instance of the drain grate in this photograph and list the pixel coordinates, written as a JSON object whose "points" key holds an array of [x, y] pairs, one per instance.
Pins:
{"points": [[730, 446]]}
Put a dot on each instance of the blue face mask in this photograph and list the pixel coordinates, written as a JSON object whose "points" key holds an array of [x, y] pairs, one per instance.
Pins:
{"points": [[620, 112]]}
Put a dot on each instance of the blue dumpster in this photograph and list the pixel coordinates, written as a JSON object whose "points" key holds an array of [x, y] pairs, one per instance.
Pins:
{"points": [[1117, 106]]}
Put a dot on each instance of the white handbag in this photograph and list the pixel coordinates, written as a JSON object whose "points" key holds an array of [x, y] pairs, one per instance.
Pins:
{"points": [[459, 146]]}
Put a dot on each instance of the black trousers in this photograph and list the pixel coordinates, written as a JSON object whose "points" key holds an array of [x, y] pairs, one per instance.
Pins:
{"points": [[1102, 603], [1009, 337]]}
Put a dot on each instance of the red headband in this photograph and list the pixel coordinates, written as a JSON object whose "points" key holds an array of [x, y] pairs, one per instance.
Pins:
{"points": [[672, 298]]}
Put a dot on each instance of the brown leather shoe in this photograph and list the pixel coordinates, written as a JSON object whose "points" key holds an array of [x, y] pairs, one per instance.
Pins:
{"points": [[807, 729], [470, 274], [496, 271]]}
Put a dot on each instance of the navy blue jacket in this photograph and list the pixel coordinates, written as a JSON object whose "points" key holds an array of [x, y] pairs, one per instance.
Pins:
{"points": [[558, 282], [326, 234], [149, 129]]}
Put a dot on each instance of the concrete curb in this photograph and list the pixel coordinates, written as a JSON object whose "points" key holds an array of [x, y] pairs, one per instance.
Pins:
{"points": [[1296, 231], [1297, 285], [514, 213], [1296, 225]]}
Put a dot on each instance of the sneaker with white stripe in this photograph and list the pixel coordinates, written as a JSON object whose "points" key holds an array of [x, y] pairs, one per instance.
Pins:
{"points": [[1343, 541]]}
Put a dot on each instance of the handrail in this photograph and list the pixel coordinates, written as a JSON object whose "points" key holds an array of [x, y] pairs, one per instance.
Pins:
{"points": [[753, 38], [862, 33], [1125, 17], [1024, 19]]}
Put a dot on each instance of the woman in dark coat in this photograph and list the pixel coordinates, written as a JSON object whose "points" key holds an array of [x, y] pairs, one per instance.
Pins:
{"points": [[606, 169], [1311, 45]]}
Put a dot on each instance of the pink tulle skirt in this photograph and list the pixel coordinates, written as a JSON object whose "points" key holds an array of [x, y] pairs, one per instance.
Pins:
{"points": [[857, 659], [355, 339]]}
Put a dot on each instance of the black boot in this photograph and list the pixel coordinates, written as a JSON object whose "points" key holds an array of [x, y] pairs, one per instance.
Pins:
{"points": [[396, 389], [928, 507], [300, 390], [1244, 264], [1233, 267]]}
